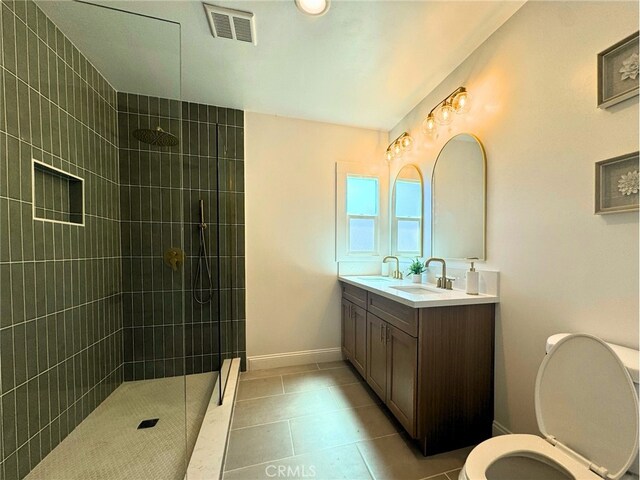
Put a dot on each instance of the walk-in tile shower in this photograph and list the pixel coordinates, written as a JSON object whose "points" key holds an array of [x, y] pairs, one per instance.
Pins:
{"points": [[103, 323]]}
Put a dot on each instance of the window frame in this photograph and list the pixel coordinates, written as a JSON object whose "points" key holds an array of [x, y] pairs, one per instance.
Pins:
{"points": [[375, 218], [394, 231], [381, 223]]}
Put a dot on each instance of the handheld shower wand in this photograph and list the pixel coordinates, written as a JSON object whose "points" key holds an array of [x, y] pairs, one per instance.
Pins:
{"points": [[205, 296]]}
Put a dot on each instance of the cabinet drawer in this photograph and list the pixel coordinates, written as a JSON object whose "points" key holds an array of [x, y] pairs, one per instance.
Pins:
{"points": [[355, 295], [400, 316]]}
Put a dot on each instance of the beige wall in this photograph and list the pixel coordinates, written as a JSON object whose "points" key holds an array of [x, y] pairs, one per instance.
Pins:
{"points": [[293, 299], [563, 269]]}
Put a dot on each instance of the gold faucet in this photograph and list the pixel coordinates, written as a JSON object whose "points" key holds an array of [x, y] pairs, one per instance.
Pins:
{"points": [[397, 273], [443, 282]]}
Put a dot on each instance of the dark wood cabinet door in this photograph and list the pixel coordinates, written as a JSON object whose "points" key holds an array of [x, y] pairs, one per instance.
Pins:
{"points": [[348, 330], [456, 379], [402, 377], [376, 356], [360, 341]]}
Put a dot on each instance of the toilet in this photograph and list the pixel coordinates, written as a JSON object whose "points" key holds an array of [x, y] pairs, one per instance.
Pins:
{"points": [[586, 406]]}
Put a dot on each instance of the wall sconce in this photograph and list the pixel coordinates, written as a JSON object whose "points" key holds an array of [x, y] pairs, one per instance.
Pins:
{"points": [[400, 145], [442, 114]]}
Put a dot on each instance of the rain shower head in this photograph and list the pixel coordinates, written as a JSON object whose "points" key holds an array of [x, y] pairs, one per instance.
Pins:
{"points": [[156, 137]]}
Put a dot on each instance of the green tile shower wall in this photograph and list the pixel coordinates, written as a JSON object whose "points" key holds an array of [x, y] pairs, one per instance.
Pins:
{"points": [[160, 193], [60, 295], [64, 346]]}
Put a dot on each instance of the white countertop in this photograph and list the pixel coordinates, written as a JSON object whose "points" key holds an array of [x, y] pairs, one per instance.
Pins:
{"points": [[434, 297]]}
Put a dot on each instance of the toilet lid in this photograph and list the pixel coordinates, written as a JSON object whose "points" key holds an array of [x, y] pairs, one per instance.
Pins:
{"points": [[585, 399]]}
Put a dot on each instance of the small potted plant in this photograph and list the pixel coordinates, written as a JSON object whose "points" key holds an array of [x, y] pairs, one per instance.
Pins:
{"points": [[415, 269]]}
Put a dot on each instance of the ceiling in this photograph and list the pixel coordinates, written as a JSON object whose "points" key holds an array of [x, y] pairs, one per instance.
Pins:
{"points": [[364, 63]]}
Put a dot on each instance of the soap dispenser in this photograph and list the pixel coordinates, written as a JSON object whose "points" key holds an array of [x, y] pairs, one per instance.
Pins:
{"points": [[472, 278]]}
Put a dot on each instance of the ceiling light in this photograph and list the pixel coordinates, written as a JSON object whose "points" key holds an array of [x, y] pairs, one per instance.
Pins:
{"points": [[315, 8]]}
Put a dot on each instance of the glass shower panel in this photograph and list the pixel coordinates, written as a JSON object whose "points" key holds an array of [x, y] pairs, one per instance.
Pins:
{"points": [[114, 82], [201, 294]]}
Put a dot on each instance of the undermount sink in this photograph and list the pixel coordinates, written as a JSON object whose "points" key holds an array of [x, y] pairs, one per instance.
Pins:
{"points": [[374, 278], [417, 289]]}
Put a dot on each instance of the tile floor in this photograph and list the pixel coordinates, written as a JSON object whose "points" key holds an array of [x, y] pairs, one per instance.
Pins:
{"points": [[321, 421], [107, 444]]}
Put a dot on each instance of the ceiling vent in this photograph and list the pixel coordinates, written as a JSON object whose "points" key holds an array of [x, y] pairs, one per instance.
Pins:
{"points": [[231, 24]]}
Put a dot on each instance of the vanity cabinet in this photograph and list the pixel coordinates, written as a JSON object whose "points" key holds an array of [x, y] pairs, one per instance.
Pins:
{"points": [[354, 331], [432, 367], [402, 377], [348, 330], [392, 369], [376, 367]]}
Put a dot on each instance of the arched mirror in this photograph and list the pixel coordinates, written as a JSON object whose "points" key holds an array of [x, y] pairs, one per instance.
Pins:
{"points": [[458, 199], [406, 213]]}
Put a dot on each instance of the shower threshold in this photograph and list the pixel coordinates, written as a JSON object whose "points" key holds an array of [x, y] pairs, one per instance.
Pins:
{"points": [[208, 455]]}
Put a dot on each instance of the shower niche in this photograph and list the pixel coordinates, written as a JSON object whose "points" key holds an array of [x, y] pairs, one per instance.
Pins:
{"points": [[58, 196]]}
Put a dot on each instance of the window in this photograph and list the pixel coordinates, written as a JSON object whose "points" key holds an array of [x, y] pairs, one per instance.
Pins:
{"points": [[362, 225], [408, 217], [362, 214]]}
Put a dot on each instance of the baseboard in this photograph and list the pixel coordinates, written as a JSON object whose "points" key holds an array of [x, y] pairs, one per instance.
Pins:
{"points": [[261, 362], [498, 429]]}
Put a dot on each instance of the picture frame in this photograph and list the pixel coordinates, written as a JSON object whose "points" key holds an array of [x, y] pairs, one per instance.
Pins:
{"points": [[618, 77], [617, 184]]}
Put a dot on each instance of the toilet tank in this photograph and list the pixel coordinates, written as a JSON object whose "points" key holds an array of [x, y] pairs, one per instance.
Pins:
{"points": [[630, 358]]}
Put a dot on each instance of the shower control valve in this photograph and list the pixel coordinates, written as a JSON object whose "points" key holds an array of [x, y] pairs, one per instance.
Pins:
{"points": [[173, 257]]}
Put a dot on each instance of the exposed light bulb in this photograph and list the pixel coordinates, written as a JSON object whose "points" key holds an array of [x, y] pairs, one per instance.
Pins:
{"points": [[388, 155], [401, 144], [429, 125], [457, 102], [461, 102], [444, 114], [407, 142]]}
